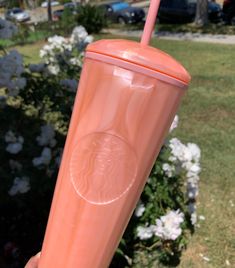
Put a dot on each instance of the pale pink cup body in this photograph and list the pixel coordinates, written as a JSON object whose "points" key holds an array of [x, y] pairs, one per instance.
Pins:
{"points": [[121, 115]]}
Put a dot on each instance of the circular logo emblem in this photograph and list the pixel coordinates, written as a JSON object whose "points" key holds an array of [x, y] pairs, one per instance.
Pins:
{"points": [[102, 168]]}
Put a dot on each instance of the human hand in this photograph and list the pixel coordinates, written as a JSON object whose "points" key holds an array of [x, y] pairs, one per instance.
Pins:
{"points": [[33, 262]]}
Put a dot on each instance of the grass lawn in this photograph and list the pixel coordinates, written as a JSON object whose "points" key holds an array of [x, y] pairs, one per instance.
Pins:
{"points": [[30, 52], [207, 117]]}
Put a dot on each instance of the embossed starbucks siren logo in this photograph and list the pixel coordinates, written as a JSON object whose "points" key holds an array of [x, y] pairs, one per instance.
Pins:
{"points": [[103, 168]]}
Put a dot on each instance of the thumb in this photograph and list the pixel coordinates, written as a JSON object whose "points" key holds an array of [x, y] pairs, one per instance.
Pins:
{"points": [[33, 262]]}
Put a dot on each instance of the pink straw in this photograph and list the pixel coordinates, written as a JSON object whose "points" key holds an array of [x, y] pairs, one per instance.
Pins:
{"points": [[150, 22]]}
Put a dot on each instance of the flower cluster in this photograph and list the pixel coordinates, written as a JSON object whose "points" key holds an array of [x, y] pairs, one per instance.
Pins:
{"points": [[161, 215], [47, 140], [80, 37], [7, 29], [44, 158], [47, 136], [14, 143], [166, 228], [56, 52], [20, 186], [186, 157], [145, 232], [11, 70], [63, 58], [60, 52], [139, 209]]}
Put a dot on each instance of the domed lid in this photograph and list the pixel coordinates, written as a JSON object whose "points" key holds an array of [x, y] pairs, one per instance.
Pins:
{"points": [[142, 55]]}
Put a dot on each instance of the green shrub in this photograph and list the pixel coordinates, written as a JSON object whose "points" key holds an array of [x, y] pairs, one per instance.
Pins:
{"points": [[92, 18], [67, 21], [64, 1]]}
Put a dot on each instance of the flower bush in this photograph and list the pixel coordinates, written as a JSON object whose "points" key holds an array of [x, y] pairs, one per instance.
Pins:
{"points": [[36, 101]]}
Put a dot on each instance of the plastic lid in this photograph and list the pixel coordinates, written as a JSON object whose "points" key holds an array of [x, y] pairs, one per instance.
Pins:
{"points": [[141, 55]]}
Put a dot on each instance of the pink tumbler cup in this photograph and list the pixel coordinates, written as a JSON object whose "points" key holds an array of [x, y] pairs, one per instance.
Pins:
{"points": [[127, 98]]}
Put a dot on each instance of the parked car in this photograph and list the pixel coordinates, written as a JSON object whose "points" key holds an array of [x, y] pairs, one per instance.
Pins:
{"points": [[122, 12], [185, 11], [57, 14], [53, 3], [17, 14], [71, 5], [229, 11]]}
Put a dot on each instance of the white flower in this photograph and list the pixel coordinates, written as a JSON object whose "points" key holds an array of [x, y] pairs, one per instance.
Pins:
{"points": [[144, 233], [14, 148], [183, 153], [195, 169], [7, 29], [192, 190], [53, 69], [193, 218], [188, 157], [57, 41], [174, 123], [168, 226], [76, 61], [179, 150], [201, 217], [168, 169], [139, 211], [44, 159], [193, 179], [89, 39], [195, 151], [47, 136], [70, 84], [57, 47], [42, 53], [15, 144], [79, 35], [192, 207], [20, 185]]}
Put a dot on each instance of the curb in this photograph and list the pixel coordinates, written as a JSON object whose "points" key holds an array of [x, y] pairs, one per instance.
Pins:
{"points": [[194, 37]]}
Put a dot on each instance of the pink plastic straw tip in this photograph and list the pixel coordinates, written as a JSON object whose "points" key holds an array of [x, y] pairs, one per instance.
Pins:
{"points": [[150, 21]]}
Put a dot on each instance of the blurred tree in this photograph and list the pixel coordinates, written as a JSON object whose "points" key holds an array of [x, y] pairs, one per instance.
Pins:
{"points": [[21, 3], [202, 12], [49, 10]]}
